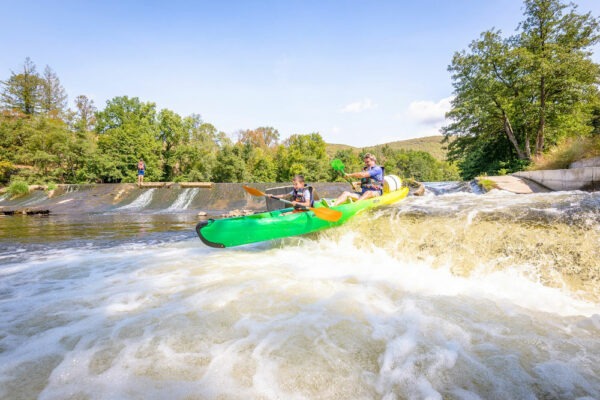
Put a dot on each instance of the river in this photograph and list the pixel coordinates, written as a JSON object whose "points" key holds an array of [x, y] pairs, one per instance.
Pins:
{"points": [[453, 295]]}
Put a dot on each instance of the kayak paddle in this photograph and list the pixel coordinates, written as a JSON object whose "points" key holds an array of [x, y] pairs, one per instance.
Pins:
{"points": [[324, 213], [338, 165]]}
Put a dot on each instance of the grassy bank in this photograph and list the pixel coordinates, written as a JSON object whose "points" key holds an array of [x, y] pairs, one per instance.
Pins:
{"points": [[567, 152]]}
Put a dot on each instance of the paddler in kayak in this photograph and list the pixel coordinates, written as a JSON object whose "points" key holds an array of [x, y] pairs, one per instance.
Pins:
{"points": [[371, 181], [300, 195]]}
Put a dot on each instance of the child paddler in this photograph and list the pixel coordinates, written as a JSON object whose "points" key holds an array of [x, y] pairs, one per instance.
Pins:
{"points": [[300, 196]]}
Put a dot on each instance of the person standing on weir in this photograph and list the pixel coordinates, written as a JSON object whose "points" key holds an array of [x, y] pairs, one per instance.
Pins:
{"points": [[141, 167]]}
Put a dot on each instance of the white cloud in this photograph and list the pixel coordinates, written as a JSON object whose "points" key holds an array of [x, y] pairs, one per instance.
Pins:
{"points": [[359, 106], [428, 112]]}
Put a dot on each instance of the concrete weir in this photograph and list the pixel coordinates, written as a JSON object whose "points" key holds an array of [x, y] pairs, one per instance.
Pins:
{"points": [[587, 178], [161, 197]]}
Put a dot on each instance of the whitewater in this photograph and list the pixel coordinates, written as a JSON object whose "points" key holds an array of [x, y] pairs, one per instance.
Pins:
{"points": [[453, 295]]}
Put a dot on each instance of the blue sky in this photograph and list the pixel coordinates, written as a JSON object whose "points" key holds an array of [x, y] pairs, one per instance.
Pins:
{"points": [[357, 72]]}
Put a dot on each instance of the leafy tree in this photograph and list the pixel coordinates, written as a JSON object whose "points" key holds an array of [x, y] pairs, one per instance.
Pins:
{"points": [[53, 98], [261, 165], [196, 155], [127, 130], [523, 91], [22, 91], [85, 118], [230, 165], [263, 137], [171, 132], [303, 154]]}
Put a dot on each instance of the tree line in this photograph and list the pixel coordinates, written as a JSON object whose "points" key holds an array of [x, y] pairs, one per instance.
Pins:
{"points": [[42, 140], [518, 96]]}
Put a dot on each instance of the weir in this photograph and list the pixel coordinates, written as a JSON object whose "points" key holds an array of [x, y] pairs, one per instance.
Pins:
{"points": [[86, 199]]}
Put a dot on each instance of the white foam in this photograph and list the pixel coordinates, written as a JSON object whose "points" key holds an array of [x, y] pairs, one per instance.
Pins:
{"points": [[298, 319], [140, 202], [184, 199]]}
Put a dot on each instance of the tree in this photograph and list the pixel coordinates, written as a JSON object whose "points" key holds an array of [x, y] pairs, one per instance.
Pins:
{"points": [[525, 90], [85, 118], [127, 130], [171, 132], [22, 91], [230, 165], [305, 155], [53, 98], [263, 137]]}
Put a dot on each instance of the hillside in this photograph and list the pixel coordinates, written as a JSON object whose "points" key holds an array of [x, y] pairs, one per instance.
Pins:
{"points": [[430, 144]]}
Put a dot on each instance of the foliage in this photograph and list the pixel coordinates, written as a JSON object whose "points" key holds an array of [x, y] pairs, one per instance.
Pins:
{"points": [[29, 93], [486, 184], [41, 141], [18, 188], [517, 96], [568, 151], [6, 169]]}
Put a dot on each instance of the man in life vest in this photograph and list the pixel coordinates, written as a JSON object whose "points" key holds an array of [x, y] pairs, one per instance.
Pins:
{"points": [[300, 195], [141, 167], [371, 181]]}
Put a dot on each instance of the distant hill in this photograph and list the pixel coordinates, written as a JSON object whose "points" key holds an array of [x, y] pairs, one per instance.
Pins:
{"points": [[430, 144]]}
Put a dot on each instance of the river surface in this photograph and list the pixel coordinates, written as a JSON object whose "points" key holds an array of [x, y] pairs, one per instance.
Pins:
{"points": [[453, 295]]}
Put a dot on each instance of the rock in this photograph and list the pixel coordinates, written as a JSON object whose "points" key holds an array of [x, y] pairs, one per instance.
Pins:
{"points": [[202, 214], [237, 213]]}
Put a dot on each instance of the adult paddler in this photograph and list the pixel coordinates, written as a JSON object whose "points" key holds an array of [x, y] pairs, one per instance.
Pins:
{"points": [[371, 181]]}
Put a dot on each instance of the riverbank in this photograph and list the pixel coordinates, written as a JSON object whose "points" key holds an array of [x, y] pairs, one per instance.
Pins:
{"points": [[581, 175]]}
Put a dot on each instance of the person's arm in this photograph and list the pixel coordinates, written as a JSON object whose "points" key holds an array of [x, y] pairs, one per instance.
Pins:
{"points": [[361, 174], [280, 196]]}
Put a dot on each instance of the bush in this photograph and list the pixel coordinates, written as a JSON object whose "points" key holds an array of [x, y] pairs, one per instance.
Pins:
{"points": [[486, 184], [18, 188], [6, 169]]}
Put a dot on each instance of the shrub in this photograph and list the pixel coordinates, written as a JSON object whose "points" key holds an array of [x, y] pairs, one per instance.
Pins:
{"points": [[486, 184], [18, 188]]}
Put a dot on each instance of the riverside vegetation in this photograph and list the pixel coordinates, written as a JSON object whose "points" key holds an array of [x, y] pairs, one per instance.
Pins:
{"points": [[524, 101]]}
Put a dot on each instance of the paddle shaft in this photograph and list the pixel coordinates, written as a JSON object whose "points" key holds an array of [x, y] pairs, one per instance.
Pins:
{"points": [[323, 213]]}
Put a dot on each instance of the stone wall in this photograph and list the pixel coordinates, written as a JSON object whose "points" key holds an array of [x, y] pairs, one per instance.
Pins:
{"points": [[565, 179]]}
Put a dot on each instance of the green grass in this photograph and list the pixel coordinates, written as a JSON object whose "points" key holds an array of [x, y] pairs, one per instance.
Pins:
{"points": [[486, 184], [18, 188], [570, 150]]}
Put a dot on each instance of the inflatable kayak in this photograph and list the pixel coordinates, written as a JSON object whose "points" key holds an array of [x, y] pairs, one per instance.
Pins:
{"points": [[269, 225]]}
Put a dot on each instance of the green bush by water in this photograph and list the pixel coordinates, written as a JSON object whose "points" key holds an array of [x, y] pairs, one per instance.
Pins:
{"points": [[18, 188]]}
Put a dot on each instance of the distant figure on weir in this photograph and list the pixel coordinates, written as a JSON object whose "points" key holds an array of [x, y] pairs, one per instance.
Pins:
{"points": [[371, 181], [141, 166]]}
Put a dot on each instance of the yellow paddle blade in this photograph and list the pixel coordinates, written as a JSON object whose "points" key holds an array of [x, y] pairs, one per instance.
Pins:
{"points": [[327, 214], [253, 191]]}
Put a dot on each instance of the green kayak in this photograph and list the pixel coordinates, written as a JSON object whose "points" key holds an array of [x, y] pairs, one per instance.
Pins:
{"points": [[269, 225]]}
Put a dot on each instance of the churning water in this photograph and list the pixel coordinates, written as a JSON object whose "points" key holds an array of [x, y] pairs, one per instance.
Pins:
{"points": [[452, 295]]}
